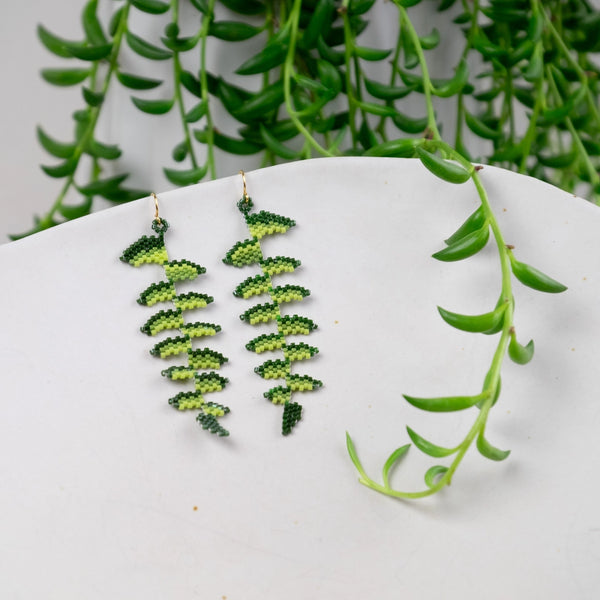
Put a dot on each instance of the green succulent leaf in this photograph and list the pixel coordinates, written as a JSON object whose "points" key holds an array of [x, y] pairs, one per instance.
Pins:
{"points": [[478, 127], [101, 186], [261, 103], [392, 460], [62, 170], [489, 451], [319, 24], [403, 148], [518, 353], [446, 403], [70, 212], [185, 177], [534, 278], [90, 53], [474, 323], [233, 31], [154, 7], [354, 457], [559, 161], [409, 124], [360, 7], [244, 7], [180, 44], [135, 82], [115, 21], [466, 246], [432, 475], [431, 41], [65, 77], [427, 447], [100, 150], [275, 146], [271, 56], [92, 98], [453, 86], [197, 112], [146, 49], [383, 91], [180, 152], [372, 54], [535, 69], [91, 24], [474, 222], [229, 144], [53, 147], [56, 44], [153, 107], [442, 168], [376, 109], [327, 53], [192, 84]]}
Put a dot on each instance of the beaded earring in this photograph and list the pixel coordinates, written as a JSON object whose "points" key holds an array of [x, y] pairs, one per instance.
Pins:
{"points": [[249, 252], [151, 249]]}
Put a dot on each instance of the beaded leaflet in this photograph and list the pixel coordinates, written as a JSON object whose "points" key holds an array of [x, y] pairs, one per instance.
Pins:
{"points": [[249, 252], [151, 249]]}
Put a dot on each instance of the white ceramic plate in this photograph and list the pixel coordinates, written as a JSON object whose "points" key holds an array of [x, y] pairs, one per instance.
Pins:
{"points": [[107, 492]]}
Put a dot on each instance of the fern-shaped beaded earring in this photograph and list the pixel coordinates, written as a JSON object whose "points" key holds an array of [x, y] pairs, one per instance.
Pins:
{"points": [[151, 249], [249, 252]]}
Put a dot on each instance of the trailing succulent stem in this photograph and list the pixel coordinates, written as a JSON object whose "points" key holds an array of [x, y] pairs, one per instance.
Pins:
{"points": [[469, 239], [151, 250], [249, 252]]}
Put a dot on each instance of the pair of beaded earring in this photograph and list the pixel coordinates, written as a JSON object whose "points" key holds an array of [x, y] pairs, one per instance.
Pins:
{"points": [[248, 252]]}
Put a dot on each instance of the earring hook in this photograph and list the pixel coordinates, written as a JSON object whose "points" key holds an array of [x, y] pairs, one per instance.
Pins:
{"points": [[245, 193], [156, 217]]}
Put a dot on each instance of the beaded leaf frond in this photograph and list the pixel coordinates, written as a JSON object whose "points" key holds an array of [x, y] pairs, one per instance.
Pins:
{"points": [[253, 286], [163, 320], [261, 313], [151, 249], [250, 252], [180, 270], [244, 253], [295, 325], [267, 341], [163, 291], [148, 249], [279, 264], [266, 223], [273, 369]]}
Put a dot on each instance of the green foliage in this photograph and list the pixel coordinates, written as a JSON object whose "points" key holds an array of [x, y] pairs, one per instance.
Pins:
{"points": [[318, 97]]}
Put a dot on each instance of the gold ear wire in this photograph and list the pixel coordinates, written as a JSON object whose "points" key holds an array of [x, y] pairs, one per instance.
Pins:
{"points": [[156, 217], [245, 194]]}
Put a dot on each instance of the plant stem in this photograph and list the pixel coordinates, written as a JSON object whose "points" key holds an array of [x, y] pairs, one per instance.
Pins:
{"points": [[569, 58], [348, 54], [94, 112], [288, 68], [427, 85], [210, 136], [177, 90], [394, 71], [529, 136], [583, 155]]}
